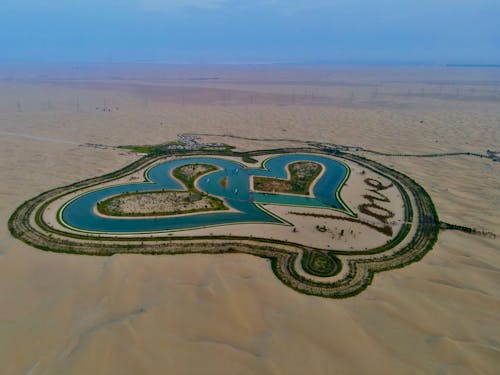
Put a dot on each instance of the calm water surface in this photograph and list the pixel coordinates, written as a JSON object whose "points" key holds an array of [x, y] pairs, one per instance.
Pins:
{"points": [[79, 213]]}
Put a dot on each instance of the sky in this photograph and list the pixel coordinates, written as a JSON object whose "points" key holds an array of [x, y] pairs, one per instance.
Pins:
{"points": [[253, 31]]}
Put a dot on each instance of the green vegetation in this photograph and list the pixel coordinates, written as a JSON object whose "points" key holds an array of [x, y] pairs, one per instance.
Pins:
{"points": [[178, 203], [302, 175], [175, 147], [188, 174], [320, 263], [249, 160], [150, 150], [185, 204], [360, 265], [461, 228]]}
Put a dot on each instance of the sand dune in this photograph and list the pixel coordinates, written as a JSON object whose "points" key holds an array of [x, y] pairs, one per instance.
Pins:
{"points": [[218, 314]]}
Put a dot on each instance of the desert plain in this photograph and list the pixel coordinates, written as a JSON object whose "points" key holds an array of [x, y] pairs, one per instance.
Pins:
{"points": [[228, 313]]}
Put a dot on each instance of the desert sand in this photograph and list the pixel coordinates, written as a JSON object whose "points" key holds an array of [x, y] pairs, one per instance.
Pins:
{"points": [[185, 314]]}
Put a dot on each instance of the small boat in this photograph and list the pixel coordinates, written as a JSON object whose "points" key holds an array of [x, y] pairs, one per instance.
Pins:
{"points": [[236, 191]]}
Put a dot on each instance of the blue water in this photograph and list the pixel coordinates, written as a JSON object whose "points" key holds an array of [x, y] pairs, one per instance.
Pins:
{"points": [[79, 213]]}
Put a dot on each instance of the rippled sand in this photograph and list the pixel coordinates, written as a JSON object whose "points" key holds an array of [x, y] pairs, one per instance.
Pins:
{"points": [[228, 313]]}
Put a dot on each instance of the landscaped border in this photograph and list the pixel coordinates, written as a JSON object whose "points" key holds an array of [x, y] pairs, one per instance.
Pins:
{"points": [[27, 224], [345, 208], [216, 203], [150, 164]]}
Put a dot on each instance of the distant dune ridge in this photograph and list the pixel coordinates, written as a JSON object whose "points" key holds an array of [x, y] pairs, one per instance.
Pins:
{"points": [[228, 313]]}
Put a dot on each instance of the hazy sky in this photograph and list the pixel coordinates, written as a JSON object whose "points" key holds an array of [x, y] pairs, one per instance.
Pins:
{"points": [[359, 31]]}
